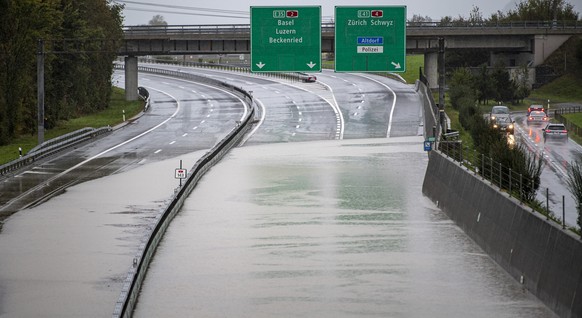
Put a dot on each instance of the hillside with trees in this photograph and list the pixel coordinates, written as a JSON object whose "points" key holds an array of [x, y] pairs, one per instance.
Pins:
{"points": [[77, 71]]}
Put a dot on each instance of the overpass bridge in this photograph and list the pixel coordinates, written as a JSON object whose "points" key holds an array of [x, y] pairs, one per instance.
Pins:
{"points": [[516, 43]]}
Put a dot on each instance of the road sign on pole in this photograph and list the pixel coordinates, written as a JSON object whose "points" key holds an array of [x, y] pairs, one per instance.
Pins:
{"points": [[370, 39], [286, 39]]}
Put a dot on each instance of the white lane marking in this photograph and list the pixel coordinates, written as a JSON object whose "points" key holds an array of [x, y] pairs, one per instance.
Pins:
{"points": [[129, 140], [261, 120], [207, 115], [173, 142], [202, 122], [184, 135], [34, 172], [142, 161], [158, 151], [181, 87], [193, 91], [338, 113], [195, 128], [245, 109], [297, 126], [393, 103]]}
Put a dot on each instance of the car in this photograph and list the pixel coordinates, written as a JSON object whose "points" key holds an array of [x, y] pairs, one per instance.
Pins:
{"points": [[555, 131], [503, 123], [539, 108], [497, 111], [537, 117], [310, 79], [307, 78]]}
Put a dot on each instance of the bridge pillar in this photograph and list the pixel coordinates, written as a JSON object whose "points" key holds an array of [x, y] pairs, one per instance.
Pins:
{"points": [[431, 69], [131, 78]]}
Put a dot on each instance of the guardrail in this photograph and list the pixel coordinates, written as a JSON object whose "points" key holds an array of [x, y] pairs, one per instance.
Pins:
{"points": [[330, 27], [291, 76], [131, 288], [53, 146], [60, 143], [572, 127]]}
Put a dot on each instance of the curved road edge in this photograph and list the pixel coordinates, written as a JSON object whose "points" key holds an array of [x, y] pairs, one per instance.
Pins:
{"points": [[132, 285]]}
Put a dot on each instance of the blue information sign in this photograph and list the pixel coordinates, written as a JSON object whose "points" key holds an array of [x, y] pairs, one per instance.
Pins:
{"points": [[427, 146], [370, 40]]}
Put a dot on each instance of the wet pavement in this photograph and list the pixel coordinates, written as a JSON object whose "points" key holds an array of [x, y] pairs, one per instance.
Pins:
{"points": [[324, 229], [69, 256]]}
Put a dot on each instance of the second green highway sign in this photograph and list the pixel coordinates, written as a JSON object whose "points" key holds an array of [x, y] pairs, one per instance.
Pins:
{"points": [[370, 39]]}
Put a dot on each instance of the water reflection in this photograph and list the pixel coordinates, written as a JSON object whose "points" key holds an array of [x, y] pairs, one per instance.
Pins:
{"points": [[324, 229]]}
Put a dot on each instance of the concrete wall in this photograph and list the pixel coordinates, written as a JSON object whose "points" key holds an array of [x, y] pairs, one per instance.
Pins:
{"points": [[546, 45], [539, 253]]}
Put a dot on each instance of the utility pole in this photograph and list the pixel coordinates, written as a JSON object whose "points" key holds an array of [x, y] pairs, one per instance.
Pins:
{"points": [[441, 71], [40, 89]]}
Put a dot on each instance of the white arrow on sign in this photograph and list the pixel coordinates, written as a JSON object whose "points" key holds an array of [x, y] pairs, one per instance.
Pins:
{"points": [[311, 64], [396, 65], [260, 65]]}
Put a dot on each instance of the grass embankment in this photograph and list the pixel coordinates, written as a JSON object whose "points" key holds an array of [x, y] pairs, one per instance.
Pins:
{"points": [[566, 89], [111, 116], [413, 63]]}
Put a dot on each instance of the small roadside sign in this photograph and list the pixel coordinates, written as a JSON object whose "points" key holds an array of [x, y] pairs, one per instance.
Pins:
{"points": [[181, 173], [427, 146]]}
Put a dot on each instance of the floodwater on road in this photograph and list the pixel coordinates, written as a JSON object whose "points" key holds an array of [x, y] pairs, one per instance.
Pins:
{"points": [[324, 229], [69, 256]]}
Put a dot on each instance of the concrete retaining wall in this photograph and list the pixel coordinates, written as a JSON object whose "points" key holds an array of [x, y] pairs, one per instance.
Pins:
{"points": [[536, 252]]}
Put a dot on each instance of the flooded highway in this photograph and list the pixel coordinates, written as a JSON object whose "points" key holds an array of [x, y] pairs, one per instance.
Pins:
{"points": [[324, 229], [299, 228]]}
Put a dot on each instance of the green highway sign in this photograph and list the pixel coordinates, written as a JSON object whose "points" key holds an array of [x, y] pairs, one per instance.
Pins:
{"points": [[370, 39], [286, 39]]}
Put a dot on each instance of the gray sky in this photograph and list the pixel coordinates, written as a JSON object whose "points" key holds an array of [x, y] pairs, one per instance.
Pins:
{"points": [[434, 9]]}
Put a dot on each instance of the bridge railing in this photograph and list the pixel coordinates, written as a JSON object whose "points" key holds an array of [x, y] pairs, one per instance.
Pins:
{"points": [[328, 27]]}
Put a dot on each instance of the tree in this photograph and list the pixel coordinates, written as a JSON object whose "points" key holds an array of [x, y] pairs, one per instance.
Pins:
{"points": [[579, 53], [523, 87], [475, 17], [158, 20], [76, 83], [484, 85], [542, 10], [504, 86], [461, 90], [418, 20], [574, 183]]}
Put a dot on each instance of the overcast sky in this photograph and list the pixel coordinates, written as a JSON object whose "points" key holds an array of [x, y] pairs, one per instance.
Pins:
{"points": [[215, 12]]}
